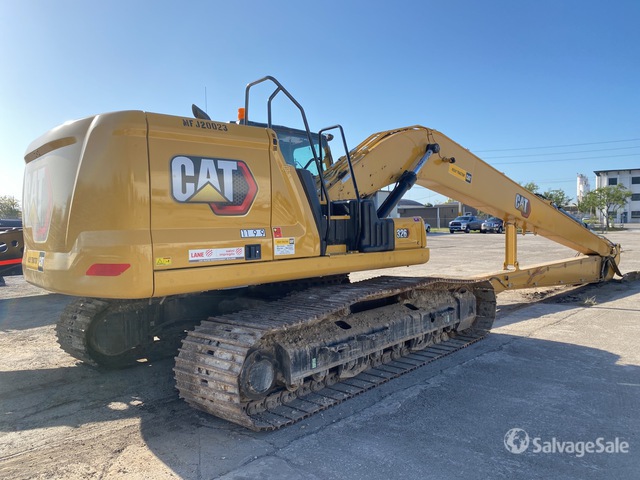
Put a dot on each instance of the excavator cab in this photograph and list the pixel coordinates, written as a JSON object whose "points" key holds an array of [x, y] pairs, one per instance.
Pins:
{"points": [[298, 152], [351, 223]]}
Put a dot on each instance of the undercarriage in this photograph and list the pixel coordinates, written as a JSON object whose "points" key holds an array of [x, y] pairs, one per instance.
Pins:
{"points": [[270, 356], [272, 366]]}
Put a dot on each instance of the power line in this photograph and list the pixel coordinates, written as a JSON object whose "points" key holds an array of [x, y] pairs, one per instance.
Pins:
{"points": [[564, 159], [565, 153], [544, 182], [558, 146]]}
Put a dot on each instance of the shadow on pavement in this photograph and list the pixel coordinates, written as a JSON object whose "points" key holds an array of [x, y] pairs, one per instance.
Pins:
{"points": [[43, 310]]}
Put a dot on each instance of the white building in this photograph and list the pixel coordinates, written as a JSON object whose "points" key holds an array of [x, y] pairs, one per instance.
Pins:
{"points": [[583, 187], [630, 179]]}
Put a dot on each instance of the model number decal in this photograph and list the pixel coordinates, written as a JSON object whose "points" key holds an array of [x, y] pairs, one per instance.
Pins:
{"points": [[35, 260], [402, 233], [460, 173], [253, 233], [206, 125]]}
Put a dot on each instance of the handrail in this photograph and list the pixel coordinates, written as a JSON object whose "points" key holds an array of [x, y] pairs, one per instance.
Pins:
{"points": [[353, 178], [317, 156]]}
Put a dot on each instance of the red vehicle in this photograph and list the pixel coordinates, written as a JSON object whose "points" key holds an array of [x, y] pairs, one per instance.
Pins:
{"points": [[11, 247]]}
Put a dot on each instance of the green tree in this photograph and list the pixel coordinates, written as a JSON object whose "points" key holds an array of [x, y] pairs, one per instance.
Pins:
{"points": [[583, 207], [531, 186], [558, 196], [9, 207], [607, 200]]}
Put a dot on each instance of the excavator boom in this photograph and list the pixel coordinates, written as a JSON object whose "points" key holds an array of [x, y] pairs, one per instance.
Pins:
{"points": [[457, 173]]}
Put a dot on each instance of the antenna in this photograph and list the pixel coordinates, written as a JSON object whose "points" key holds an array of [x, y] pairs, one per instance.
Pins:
{"points": [[205, 99]]}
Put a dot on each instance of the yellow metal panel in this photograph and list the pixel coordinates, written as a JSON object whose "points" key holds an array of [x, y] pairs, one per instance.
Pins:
{"points": [[171, 282], [409, 233], [211, 191], [377, 162], [336, 249], [291, 215], [86, 202], [570, 271]]}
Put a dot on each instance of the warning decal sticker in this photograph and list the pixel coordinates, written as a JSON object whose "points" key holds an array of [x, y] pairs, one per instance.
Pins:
{"points": [[284, 246]]}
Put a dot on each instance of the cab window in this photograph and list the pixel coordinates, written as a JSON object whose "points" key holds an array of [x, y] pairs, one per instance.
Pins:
{"points": [[296, 150]]}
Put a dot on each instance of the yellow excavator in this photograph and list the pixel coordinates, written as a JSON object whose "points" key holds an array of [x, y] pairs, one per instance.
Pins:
{"points": [[229, 244]]}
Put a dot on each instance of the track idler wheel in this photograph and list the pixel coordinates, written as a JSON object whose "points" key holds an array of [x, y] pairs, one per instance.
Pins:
{"points": [[258, 375]]}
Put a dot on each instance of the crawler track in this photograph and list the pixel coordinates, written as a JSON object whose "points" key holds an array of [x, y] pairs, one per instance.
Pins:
{"points": [[73, 324], [83, 323], [121, 333], [212, 360]]}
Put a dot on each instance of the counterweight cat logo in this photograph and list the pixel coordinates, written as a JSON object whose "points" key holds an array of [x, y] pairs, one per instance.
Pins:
{"points": [[226, 185]]}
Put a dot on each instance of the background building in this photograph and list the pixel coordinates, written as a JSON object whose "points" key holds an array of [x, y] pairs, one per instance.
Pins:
{"points": [[583, 187], [630, 179], [437, 216]]}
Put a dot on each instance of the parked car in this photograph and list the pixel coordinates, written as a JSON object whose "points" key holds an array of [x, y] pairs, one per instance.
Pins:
{"points": [[465, 224], [493, 225]]}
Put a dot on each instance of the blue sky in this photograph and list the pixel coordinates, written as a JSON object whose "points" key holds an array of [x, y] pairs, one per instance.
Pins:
{"points": [[499, 77]]}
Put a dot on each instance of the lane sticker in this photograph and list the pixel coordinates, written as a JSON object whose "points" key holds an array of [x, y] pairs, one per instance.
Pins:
{"points": [[216, 254]]}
